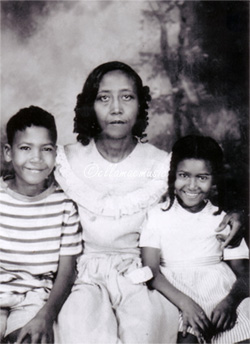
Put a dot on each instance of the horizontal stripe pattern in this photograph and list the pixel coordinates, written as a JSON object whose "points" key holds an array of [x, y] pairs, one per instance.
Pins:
{"points": [[33, 235]]}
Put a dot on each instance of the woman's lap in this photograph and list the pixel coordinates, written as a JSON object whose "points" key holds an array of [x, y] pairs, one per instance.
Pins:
{"points": [[92, 313], [86, 317], [145, 316]]}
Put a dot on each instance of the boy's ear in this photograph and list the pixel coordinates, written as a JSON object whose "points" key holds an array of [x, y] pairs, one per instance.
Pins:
{"points": [[7, 152]]}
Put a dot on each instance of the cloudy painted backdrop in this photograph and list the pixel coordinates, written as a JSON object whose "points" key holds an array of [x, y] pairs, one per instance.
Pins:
{"points": [[192, 54]]}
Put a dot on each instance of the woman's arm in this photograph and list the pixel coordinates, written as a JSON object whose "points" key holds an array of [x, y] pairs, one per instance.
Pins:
{"points": [[235, 219], [40, 328], [193, 314], [224, 315]]}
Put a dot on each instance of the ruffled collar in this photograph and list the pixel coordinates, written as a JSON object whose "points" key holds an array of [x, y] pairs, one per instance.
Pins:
{"points": [[110, 203]]}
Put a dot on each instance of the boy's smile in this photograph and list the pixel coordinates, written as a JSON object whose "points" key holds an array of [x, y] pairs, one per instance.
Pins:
{"points": [[33, 157]]}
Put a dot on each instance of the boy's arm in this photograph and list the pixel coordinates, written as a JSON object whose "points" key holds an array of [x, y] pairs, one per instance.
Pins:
{"points": [[40, 328], [224, 315], [193, 314]]}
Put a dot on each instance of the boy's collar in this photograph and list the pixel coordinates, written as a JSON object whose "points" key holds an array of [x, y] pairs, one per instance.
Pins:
{"points": [[18, 196]]}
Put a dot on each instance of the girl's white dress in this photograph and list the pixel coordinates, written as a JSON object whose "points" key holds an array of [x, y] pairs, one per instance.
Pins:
{"points": [[193, 261], [107, 305]]}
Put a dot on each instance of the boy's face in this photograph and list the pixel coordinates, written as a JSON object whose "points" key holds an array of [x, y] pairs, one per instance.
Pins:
{"points": [[33, 157]]}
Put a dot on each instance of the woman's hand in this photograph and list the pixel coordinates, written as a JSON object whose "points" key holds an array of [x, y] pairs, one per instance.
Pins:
{"points": [[236, 222], [38, 330], [194, 316], [224, 316]]}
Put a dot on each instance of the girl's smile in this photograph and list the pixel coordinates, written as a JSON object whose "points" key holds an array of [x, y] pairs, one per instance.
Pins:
{"points": [[193, 183]]}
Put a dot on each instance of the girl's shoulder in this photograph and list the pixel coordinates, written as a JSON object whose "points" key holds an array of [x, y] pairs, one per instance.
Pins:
{"points": [[159, 210]]}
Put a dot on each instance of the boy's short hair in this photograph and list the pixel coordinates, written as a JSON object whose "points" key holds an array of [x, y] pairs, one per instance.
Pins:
{"points": [[31, 116]]}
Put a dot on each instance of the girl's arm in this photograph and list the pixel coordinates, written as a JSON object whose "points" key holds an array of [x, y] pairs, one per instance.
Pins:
{"points": [[224, 315], [40, 328], [193, 315]]}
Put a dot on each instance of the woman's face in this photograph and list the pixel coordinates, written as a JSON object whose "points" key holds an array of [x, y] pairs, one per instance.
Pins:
{"points": [[116, 105]]}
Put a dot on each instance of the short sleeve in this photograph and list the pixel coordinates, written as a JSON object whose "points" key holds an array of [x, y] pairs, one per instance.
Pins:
{"points": [[150, 236], [240, 252], [71, 239]]}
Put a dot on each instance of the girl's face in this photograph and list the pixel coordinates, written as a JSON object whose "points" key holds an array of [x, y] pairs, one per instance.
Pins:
{"points": [[116, 105], [193, 183]]}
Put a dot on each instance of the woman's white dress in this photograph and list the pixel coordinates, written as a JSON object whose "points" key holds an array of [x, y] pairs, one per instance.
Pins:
{"points": [[107, 305]]}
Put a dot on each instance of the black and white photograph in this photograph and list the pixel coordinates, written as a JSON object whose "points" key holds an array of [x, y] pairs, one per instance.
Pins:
{"points": [[124, 208]]}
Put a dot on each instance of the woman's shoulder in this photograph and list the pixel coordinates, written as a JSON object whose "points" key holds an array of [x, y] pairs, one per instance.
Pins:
{"points": [[73, 150], [73, 153], [150, 150]]}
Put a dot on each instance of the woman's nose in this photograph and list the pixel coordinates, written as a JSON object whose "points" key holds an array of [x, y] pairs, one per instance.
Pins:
{"points": [[116, 106]]}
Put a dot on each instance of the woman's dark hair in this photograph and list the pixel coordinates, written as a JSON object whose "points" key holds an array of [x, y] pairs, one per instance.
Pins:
{"points": [[85, 121], [198, 147], [31, 116]]}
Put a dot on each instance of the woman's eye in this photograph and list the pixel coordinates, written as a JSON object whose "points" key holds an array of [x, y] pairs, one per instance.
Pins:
{"points": [[103, 98], [127, 97]]}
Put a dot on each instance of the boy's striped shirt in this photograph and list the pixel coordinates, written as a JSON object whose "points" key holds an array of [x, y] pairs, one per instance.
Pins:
{"points": [[34, 233]]}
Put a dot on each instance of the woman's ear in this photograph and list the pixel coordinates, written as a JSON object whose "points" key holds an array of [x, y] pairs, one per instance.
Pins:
{"points": [[7, 152]]}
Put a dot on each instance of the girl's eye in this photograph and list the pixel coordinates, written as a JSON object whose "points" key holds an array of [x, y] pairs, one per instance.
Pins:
{"points": [[24, 148], [203, 178], [183, 175]]}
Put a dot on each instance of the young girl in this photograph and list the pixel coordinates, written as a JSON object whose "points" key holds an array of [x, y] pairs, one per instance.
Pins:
{"points": [[209, 285]]}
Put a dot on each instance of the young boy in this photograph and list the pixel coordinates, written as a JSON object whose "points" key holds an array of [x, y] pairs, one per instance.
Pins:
{"points": [[40, 236]]}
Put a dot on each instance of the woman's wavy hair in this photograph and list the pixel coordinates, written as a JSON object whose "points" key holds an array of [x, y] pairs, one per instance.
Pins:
{"points": [[85, 121], [199, 147]]}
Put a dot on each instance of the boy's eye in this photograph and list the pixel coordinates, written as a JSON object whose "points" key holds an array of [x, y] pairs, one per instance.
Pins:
{"points": [[48, 149], [24, 148]]}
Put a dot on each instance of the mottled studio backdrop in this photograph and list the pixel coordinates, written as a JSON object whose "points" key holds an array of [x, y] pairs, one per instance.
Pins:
{"points": [[192, 54]]}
